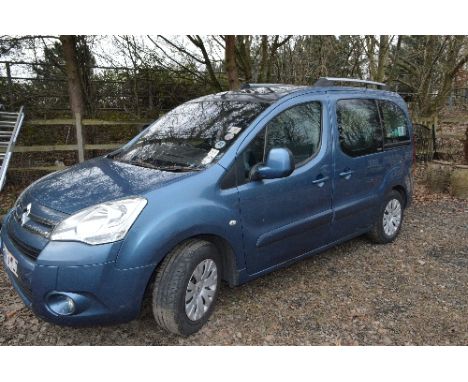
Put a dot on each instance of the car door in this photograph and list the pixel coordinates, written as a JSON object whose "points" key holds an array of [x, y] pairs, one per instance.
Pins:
{"points": [[358, 164], [287, 217]]}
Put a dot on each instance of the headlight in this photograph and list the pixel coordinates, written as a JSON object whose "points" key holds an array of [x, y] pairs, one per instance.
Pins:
{"points": [[102, 223]]}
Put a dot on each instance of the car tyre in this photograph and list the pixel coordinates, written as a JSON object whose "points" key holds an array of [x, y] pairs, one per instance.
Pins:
{"points": [[186, 287], [389, 219]]}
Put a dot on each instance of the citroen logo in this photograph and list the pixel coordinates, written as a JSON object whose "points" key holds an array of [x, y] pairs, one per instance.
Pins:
{"points": [[25, 215]]}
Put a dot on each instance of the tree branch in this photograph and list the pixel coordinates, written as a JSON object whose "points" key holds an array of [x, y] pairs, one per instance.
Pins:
{"points": [[181, 49], [194, 73], [198, 42]]}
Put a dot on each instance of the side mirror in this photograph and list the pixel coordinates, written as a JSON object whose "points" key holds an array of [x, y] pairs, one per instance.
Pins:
{"points": [[279, 164]]}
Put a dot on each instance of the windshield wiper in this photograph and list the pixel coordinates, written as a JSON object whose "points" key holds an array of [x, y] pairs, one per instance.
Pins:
{"points": [[173, 168], [178, 168], [137, 163]]}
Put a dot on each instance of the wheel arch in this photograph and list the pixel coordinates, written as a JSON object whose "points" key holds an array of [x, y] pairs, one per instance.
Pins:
{"points": [[397, 179], [228, 256], [402, 191], [230, 273]]}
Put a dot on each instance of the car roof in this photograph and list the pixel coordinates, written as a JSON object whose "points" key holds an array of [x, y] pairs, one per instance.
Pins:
{"points": [[270, 93]]}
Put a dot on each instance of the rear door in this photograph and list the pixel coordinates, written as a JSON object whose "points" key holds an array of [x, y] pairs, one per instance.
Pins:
{"points": [[287, 217], [358, 164]]}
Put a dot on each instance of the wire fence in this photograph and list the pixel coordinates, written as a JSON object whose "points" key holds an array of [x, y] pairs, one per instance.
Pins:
{"points": [[143, 92], [110, 91], [429, 145]]}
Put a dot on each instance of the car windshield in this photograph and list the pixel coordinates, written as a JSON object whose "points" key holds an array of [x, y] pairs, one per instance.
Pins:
{"points": [[191, 136]]}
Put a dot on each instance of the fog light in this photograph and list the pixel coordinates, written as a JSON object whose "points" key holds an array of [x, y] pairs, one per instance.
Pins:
{"points": [[61, 304]]}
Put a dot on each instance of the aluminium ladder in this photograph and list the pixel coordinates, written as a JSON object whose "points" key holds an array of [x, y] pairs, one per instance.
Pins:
{"points": [[10, 125]]}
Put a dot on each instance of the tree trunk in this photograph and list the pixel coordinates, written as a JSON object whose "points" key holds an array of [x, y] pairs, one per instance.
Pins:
{"points": [[395, 59], [430, 57], [271, 58], [466, 146], [322, 57], [243, 57], [75, 91], [382, 58], [264, 59], [10, 85], [370, 51], [231, 68]]}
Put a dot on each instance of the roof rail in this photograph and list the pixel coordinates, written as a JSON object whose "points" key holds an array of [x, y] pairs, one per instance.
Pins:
{"points": [[246, 85], [331, 81]]}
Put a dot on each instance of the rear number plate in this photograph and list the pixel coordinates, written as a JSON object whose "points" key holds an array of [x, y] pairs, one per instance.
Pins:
{"points": [[10, 261]]}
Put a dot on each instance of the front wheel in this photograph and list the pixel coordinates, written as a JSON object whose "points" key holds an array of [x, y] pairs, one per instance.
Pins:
{"points": [[186, 287], [389, 219]]}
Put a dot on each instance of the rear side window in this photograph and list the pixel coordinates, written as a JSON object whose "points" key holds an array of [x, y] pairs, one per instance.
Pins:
{"points": [[359, 126], [394, 123]]}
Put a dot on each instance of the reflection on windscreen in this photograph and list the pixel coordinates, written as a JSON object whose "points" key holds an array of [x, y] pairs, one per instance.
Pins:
{"points": [[192, 135]]}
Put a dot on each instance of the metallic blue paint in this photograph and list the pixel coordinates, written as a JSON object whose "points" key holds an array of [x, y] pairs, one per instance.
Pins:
{"points": [[326, 200], [279, 164], [97, 181]]}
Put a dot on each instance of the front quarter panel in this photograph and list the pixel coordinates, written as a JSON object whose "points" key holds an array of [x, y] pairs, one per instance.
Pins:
{"points": [[191, 207]]}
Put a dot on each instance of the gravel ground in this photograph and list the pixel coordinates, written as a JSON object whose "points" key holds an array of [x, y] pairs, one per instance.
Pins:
{"points": [[410, 292]]}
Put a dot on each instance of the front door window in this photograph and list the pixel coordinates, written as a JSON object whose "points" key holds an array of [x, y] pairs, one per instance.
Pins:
{"points": [[297, 128]]}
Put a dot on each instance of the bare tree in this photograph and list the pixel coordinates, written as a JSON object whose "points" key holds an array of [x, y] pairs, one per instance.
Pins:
{"points": [[423, 67], [454, 62], [426, 67]]}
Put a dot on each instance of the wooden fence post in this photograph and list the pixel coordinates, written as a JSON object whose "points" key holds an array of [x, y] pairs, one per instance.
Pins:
{"points": [[10, 84], [79, 137], [434, 142]]}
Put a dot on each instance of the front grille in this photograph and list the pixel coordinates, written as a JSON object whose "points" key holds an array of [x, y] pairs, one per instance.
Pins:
{"points": [[30, 226], [24, 248]]}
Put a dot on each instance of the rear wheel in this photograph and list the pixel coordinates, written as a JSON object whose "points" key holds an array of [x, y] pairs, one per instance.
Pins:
{"points": [[389, 219], [186, 287]]}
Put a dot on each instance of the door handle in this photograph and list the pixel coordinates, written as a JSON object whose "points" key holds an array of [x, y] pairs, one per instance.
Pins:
{"points": [[320, 181], [346, 174]]}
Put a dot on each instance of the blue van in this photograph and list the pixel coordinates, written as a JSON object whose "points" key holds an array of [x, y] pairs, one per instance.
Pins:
{"points": [[227, 187]]}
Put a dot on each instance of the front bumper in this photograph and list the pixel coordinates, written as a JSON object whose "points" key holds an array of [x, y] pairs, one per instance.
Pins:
{"points": [[106, 294]]}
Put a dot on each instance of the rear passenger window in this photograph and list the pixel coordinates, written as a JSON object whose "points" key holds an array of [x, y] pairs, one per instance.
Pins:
{"points": [[359, 126], [394, 121]]}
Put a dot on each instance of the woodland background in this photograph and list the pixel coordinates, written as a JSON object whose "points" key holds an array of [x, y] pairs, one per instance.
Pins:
{"points": [[115, 85], [146, 75]]}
